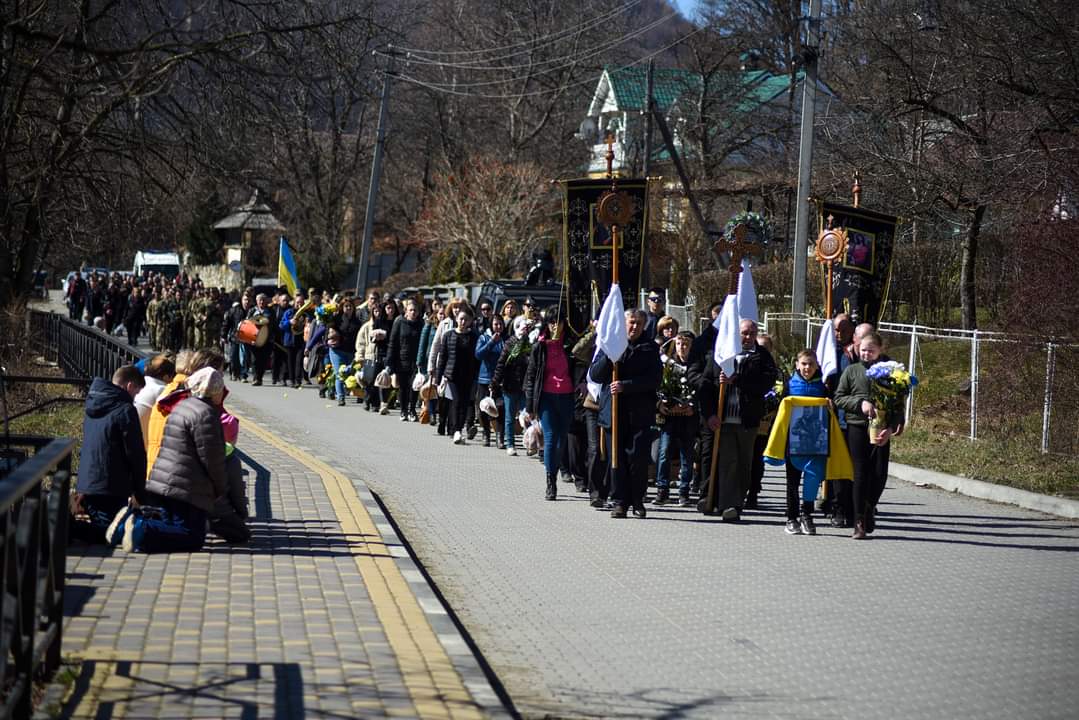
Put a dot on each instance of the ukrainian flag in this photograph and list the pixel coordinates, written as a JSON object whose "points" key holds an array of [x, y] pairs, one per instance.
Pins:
{"points": [[286, 268]]}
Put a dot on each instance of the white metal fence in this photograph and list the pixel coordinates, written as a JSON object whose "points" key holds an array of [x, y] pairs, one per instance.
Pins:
{"points": [[1004, 383]]}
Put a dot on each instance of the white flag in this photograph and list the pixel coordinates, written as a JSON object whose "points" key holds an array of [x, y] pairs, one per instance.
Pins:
{"points": [[826, 350], [611, 327], [747, 294], [611, 335], [728, 335]]}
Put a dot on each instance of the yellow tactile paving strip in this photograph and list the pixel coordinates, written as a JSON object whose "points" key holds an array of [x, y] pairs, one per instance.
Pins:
{"points": [[433, 683]]}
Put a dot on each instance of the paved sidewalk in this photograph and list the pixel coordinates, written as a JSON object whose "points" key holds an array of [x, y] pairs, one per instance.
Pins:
{"points": [[322, 615], [956, 608]]}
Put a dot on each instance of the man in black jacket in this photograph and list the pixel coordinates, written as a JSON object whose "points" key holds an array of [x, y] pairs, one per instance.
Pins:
{"points": [[112, 465], [639, 375], [754, 374]]}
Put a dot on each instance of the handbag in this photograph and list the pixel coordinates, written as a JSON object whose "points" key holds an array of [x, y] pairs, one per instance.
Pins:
{"points": [[367, 374], [382, 380], [589, 403]]}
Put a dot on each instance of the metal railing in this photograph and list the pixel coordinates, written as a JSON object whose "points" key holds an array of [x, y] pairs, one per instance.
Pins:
{"points": [[80, 351], [33, 555], [1027, 356]]}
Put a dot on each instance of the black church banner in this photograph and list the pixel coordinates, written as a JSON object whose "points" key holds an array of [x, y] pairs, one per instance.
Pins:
{"points": [[861, 276], [586, 247]]}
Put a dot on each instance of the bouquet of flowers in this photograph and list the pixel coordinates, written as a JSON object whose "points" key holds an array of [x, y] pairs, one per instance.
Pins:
{"points": [[890, 385], [327, 377], [326, 312], [521, 347], [676, 393], [349, 375]]}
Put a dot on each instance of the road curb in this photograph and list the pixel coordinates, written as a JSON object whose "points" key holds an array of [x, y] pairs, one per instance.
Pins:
{"points": [[1062, 507]]}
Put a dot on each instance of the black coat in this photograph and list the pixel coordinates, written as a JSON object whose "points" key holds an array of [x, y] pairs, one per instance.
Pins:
{"points": [[457, 361], [537, 368], [233, 318], [755, 373], [113, 458], [404, 343], [640, 371], [510, 375]]}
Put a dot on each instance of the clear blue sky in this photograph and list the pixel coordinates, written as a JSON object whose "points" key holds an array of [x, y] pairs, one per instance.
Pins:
{"points": [[686, 7]]}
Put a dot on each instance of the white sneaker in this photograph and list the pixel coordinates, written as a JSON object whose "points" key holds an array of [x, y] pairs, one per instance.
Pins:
{"points": [[512, 452], [115, 533], [458, 438], [384, 410], [129, 541]]}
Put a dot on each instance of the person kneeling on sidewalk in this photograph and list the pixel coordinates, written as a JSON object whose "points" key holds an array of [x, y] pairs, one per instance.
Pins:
{"points": [[113, 464], [187, 477]]}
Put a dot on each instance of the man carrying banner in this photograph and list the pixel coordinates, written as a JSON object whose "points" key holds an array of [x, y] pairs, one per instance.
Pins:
{"points": [[639, 375], [748, 375]]}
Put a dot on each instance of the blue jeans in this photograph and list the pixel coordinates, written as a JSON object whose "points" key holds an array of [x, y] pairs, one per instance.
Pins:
{"points": [[246, 356], [669, 444], [169, 526], [337, 359], [512, 405], [556, 415]]}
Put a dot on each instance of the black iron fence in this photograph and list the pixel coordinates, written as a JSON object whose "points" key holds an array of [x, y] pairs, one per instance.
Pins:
{"points": [[79, 350], [35, 483]]}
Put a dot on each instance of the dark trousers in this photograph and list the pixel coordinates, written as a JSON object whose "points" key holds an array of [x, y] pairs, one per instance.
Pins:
{"points": [[134, 329], [279, 370], [443, 409], [756, 474], [462, 403], [629, 483], [262, 360], [74, 311], [870, 469], [598, 486], [295, 363], [405, 394], [732, 465], [577, 449], [794, 482]]}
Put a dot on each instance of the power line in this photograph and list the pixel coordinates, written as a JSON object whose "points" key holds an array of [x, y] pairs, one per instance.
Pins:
{"points": [[535, 93], [531, 43], [565, 62]]}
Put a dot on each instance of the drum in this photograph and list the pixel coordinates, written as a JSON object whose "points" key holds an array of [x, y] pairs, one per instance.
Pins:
{"points": [[250, 332]]}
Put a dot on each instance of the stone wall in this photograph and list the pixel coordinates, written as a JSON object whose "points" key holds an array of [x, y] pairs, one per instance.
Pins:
{"points": [[216, 276]]}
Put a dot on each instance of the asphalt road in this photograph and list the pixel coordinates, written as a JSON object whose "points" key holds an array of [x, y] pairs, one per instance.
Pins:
{"points": [[955, 608]]}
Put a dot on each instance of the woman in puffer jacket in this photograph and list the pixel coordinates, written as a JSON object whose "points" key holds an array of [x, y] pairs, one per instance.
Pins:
{"points": [[509, 379], [187, 477]]}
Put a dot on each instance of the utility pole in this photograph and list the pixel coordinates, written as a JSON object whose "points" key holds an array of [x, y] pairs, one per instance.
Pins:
{"points": [[376, 177], [810, 51], [646, 281]]}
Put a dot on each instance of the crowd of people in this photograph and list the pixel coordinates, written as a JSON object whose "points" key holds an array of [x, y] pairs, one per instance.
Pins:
{"points": [[519, 377]]}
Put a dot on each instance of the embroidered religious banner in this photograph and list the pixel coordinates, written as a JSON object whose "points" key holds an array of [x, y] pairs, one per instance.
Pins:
{"points": [[586, 247], [863, 273]]}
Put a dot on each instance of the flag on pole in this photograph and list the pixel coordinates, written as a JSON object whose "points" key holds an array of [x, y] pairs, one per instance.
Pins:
{"points": [[747, 294], [611, 335], [826, 350], [286, 268], [728, 335]]}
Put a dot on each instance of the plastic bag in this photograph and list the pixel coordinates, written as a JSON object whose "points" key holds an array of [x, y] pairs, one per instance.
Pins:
{"points": [[418, 381], [533, 438], [383, 380], [523, 419], [488, 406]]}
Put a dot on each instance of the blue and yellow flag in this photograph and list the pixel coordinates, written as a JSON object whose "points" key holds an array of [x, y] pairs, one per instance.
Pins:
{"points": [[286, 268]]}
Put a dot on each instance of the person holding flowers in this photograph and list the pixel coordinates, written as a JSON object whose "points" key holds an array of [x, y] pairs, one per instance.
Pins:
{"points": [[680, 420], [872, 393], [509, 378]]}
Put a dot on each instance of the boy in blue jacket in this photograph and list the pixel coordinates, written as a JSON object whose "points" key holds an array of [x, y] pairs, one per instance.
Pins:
{"points": [[112, 462]]}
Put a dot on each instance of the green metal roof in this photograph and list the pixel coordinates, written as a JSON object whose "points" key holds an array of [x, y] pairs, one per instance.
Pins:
{"points": [[630, 86]]}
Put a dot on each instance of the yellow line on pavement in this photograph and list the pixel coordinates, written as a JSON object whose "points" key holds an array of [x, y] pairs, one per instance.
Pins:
{"points": [[434, 685]]}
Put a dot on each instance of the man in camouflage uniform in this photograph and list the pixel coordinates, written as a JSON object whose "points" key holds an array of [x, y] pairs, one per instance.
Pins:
{"points": [[172, 317], [188, 312], [152, 321]]}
